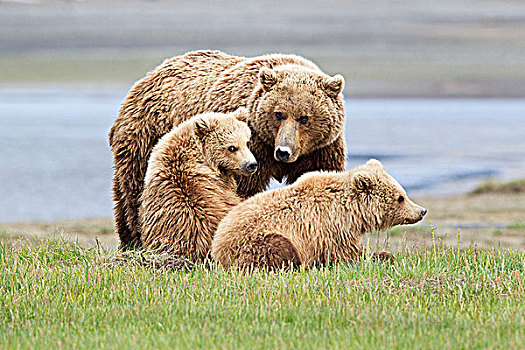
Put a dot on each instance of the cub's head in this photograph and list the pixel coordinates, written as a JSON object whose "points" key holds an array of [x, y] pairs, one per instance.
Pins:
{"points": [[382, 201], [298, 110], [224, 140]]}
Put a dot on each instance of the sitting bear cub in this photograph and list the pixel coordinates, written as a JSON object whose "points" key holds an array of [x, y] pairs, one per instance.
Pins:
{"points": [[189, 185], [318, 220]]}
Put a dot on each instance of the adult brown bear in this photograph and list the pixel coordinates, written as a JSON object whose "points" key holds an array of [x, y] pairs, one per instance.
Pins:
{"points": [[296, 115]]}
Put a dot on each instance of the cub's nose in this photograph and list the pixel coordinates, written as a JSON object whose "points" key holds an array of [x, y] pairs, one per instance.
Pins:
{"points": [[252, 167], [423, 212], [282, 153]]}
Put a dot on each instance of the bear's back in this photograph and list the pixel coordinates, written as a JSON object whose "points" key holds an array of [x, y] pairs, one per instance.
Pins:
{"points": [[235, 85]]}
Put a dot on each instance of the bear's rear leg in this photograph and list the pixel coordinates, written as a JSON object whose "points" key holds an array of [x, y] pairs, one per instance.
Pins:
{"points": [[121, 227], [272, 252]]}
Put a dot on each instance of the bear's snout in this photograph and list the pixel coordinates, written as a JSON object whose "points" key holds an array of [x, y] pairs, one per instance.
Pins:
{"points": [[251, 167], [248, 168], [283, 153], [416, 216]]}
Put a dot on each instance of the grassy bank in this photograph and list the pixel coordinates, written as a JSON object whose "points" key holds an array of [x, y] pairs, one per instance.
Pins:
{"points": [[407, 49], [365, 78], [58, 289], [56, 294]]}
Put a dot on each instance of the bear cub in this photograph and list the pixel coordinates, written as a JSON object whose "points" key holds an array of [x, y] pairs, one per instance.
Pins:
{"points": [[189, 185], [318, 220]]}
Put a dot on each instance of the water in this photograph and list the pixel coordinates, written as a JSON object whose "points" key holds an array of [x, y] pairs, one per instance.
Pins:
{"points": [[439, 146], [55, 161]]}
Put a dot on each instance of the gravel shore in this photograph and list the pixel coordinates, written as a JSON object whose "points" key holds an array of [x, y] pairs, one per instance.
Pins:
{"points": [[486, 220]]}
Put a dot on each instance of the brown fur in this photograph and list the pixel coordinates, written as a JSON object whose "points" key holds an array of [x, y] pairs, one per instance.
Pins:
{"points": [[211, 81], [190, 184], [322, 216]]}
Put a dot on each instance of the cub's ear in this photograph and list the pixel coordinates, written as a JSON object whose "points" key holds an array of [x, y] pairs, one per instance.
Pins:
{"points": [[362, 182], [374, 163], [268, 78], [202, 126], [241, 114], [334, 85]]}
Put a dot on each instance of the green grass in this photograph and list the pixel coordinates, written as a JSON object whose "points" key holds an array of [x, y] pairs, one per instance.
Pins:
{"points": [[517, 225], [401, 230], [497, 232], [56, 294], [491, 186], [9, 234]]}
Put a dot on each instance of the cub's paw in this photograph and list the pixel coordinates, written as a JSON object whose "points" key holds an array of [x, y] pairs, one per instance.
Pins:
{"points": [[383, 256]]}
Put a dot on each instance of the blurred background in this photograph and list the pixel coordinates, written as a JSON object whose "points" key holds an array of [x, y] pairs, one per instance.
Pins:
{"points": [[434, 89]]}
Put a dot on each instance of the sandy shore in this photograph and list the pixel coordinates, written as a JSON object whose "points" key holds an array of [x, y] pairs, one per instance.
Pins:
{"points": [[384, 49], [486, 220]]}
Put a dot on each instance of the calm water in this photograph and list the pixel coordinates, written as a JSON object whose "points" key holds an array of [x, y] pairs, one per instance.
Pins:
{"points": [[55, 161]]}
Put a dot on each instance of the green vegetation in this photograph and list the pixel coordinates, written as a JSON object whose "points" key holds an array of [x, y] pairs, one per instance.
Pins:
{"points": [[57, 294], [497, 232], [402, 230], [491, 186], [517, 225], [6, 234]]}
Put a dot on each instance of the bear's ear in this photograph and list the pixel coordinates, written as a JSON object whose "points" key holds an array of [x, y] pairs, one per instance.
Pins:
{"points": [[202, 126], [374, 163], [268, 78], [334, 85], [362, 182], [241, 114]]}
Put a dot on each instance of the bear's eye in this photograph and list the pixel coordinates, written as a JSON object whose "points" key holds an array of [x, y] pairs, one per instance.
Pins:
{"points": [[400, 199], [279, 116], [303, 120], [232, 149]]}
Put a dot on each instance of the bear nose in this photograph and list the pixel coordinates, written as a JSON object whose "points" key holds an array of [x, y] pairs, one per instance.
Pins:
{"points": [[423, 212], [282, 153], [251, 167]]}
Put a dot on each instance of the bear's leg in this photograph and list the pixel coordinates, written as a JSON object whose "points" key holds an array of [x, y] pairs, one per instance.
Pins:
{"points": [[127, 190], [271, 251], [280, 252], [329, 158], [131, 154], [121, 227], [381, 256]]}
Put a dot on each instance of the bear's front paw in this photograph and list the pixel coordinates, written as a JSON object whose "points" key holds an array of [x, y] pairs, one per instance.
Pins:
{"points": [[383, 256]]}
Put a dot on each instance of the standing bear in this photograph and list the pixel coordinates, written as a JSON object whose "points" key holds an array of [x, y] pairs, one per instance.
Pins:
{"points": [[296, 115], [189, 185], [318, 220]]}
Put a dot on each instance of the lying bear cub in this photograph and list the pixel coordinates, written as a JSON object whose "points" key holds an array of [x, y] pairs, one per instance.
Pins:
{"points": [[318, 220], [190, 186]]}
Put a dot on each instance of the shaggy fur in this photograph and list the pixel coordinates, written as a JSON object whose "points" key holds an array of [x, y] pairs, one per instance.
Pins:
{"points": [[318, 220], [292, 104], [190, 186]]}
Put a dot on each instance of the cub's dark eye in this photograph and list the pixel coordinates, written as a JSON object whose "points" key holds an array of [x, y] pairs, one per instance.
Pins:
{"points": [[232, 149], [400, 199], [279, 116], [248, 144], [303, 120]]}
